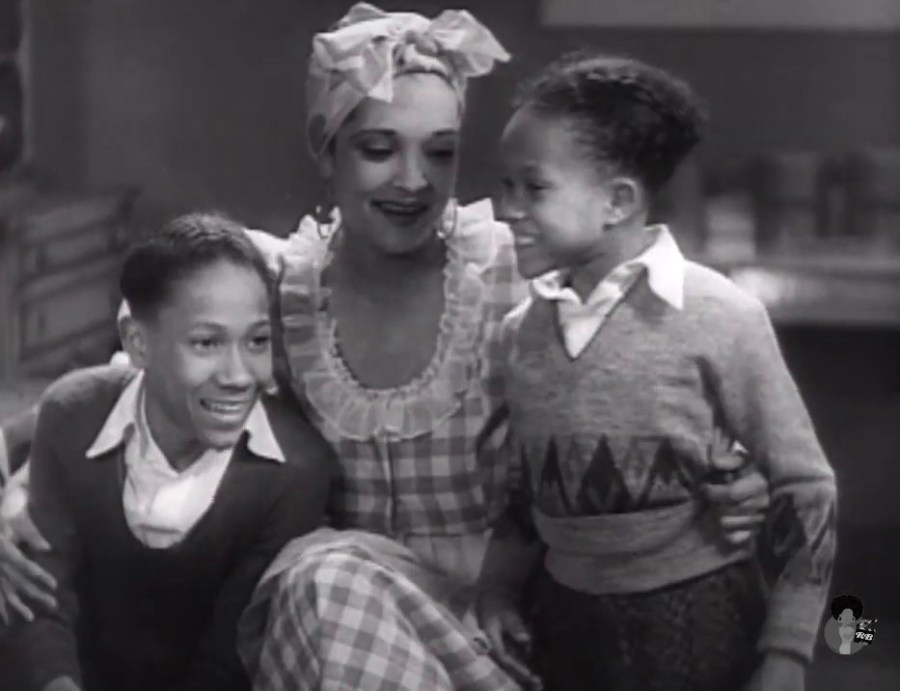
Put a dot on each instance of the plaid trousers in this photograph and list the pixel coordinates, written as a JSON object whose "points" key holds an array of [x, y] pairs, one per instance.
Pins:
{"points": [[355, 611]]}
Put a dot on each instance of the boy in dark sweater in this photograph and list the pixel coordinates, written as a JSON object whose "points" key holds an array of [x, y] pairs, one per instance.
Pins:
{"points": [[165, 490]]}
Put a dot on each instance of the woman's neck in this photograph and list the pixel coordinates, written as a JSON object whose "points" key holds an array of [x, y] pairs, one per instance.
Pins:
{"points": [[373, 273], [620, 245]]}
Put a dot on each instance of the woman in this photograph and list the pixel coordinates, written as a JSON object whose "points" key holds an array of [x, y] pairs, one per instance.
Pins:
{"points": [[390, 309], [391, 313]]}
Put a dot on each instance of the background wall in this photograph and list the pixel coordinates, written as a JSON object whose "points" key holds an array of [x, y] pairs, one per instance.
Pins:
{"points": [[201, 102]]}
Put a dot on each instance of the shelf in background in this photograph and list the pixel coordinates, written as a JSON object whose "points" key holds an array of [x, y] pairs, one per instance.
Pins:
{"points": [[833, 290]]}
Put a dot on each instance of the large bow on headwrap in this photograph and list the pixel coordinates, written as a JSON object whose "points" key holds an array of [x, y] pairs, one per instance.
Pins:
{"points": [[362, 54]]}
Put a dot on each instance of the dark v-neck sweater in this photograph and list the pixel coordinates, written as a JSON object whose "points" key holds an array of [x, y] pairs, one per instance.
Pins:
{"points": [[143, 619]]}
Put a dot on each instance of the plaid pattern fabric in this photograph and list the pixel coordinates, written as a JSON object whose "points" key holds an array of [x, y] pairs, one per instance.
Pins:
{"points": [[432, 483], [342, 611]]}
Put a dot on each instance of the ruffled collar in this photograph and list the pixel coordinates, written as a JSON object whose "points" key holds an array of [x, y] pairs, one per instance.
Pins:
{"points": [[322, 377]]}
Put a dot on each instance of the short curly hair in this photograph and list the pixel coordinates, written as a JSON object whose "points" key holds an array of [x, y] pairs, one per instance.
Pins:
{"points": [[842, 602], [628, 114]]}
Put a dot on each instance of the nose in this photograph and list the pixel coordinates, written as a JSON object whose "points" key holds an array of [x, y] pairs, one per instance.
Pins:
{"points": [[411, 174], [506, 207], [233, 371]]}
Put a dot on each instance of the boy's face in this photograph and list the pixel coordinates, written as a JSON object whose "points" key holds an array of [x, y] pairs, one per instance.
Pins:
{"points": [[206, 355], [553, 198]]}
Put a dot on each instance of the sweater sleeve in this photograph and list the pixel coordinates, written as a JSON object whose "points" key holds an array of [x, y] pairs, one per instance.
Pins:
{"points": [[47, 645], [218, 665], [763, 407]]}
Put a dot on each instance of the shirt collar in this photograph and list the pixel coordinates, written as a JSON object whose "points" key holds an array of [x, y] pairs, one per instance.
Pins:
{"points": [[123, 422], [663, 261]]}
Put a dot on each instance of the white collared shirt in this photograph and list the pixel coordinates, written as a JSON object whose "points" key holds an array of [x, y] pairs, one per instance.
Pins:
{"points": [[579, 321], [161, 504]]}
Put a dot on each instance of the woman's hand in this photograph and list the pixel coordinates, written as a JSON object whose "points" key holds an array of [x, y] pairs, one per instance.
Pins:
{"points": [[739, 494], [510, 640], [19, 576]]}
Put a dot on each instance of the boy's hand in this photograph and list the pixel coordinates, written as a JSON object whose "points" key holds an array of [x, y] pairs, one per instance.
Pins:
{"points": [[779, 672], [510, 640]]}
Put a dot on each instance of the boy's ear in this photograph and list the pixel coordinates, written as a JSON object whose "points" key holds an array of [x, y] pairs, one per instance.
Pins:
{"points": [[626, 199], [134, 340]]}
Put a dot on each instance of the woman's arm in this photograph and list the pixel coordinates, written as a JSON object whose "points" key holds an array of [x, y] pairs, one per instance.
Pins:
{"points": [[16, 434], [47, 645]]}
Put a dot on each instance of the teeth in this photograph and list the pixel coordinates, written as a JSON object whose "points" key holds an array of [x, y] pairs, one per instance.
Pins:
{"points": [[222, 407]]}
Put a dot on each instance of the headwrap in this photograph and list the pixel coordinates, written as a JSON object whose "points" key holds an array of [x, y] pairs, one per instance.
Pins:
{"points": [[365, 50]]}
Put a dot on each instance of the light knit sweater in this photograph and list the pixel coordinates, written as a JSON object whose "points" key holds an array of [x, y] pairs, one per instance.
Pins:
{"points": [[614, 444]]}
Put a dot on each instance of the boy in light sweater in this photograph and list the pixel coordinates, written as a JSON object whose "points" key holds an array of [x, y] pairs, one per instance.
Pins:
{"points": [[626, 365]]}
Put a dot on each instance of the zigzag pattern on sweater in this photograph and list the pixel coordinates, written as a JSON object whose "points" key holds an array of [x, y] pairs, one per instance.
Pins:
{"points": [[620, 476]]}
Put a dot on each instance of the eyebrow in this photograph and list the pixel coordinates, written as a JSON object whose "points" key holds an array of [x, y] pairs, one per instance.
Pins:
{"points": [[393, 133], [220, 327]]}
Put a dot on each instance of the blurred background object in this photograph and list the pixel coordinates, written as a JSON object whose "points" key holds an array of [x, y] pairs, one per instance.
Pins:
{"points": [[60, 241], [873, 186], [791, 213]]}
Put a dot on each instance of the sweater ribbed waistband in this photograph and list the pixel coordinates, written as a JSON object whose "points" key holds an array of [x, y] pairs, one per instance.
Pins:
{"points": [[635, 552]]}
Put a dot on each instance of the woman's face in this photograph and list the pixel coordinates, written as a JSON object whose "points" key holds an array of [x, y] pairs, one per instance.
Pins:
{"points": [[393, 165]]}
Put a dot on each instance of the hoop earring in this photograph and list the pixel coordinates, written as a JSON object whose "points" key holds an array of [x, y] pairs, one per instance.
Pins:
{"points": [[449, 220]]}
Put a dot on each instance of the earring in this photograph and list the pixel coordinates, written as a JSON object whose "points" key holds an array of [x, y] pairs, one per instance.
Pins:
{"points": [[323, 214], [449, 220]]}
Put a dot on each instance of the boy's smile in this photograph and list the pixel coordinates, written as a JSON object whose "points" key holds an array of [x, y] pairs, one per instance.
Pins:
{"points": [[206, 357]]}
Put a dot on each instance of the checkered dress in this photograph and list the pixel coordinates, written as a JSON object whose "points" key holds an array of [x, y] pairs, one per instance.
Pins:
{"points": [[351, 610], [410, 472]]}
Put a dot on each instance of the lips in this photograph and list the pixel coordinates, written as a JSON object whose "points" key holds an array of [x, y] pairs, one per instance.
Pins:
{"points": [[523, 242], [402, 212]]}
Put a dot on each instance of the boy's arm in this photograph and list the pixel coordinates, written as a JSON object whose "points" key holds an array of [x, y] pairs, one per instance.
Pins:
{"points": [[289, 515], [763, 407], [47, 645]]}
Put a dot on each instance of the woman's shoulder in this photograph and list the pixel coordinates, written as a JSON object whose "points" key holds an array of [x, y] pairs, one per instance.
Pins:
{"points": [[303, 257], [482, 240], [486, 244]]}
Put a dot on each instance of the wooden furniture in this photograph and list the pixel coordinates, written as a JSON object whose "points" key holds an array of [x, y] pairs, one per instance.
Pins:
{"points": [[59, 261]]}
